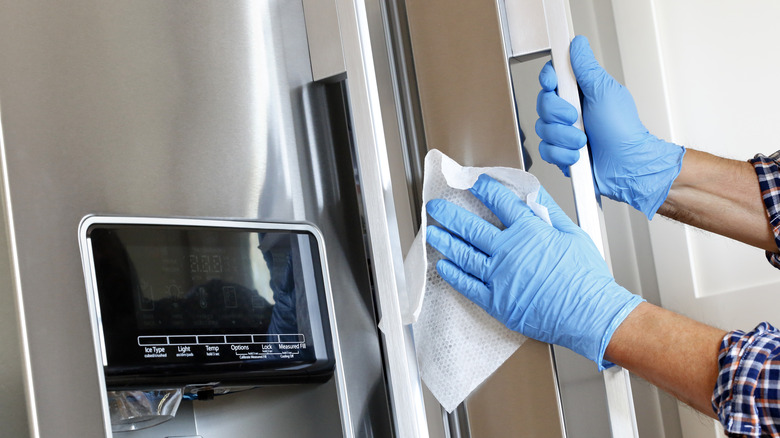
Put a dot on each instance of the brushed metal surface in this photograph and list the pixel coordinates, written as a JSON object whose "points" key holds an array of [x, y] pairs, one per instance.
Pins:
{"points": [[527, 25], [463, 81], [469, 113], [519, 388], [406, 216], [407, 101], [177, 108], [372, 128], [322, 30], [13, 405]]}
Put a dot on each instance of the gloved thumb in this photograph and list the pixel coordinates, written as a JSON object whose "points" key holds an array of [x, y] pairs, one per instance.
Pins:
{"points": [[590, 75], [558, 218]]}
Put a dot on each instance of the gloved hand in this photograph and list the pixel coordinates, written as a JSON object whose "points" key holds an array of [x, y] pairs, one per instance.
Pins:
{"points": [[547, 282], [630, 164]]}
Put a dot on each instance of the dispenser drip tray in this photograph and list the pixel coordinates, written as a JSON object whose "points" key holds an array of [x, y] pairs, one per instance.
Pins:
{"points": [[135, 409]]}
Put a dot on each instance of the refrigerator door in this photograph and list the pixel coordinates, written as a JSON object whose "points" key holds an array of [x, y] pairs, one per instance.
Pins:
{"points": [[178, 108], [463, 49], [464, 66]]}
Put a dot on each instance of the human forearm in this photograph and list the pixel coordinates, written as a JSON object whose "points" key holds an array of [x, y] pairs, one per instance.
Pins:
{"points": [[675, 353], [669, 350], [720, 195]]}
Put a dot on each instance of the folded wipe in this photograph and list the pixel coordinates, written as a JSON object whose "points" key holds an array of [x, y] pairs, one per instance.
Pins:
{"points": [[458, 344]]}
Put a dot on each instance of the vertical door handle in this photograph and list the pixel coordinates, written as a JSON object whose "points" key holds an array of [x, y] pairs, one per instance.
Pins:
{"points": [[527, 37]]}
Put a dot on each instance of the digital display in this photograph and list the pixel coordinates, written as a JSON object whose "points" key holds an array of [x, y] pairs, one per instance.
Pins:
{"points": [[173, 296]]}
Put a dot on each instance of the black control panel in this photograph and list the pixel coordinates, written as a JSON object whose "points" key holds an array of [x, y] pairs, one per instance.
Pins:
{"points": [[201, 302]]}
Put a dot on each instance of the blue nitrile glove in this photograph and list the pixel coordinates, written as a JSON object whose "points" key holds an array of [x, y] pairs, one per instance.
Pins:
{"points": [[547, 282], [630, 164]]}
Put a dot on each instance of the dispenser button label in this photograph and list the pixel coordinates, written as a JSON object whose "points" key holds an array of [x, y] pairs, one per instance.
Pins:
{"points": [[225, 347], [155, 352]]}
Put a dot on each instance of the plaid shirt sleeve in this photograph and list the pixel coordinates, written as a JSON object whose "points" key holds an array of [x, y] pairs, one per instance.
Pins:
{"points": [[768, 171], [747, 394]]}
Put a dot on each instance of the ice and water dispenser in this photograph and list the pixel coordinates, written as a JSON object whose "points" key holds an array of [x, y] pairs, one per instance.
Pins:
{"points": [[187, 308]]}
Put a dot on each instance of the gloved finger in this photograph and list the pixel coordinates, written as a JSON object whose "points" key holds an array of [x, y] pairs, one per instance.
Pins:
{"points": [[472, 288], [590, 75], [547, 77], [559, 219], [557, 155], [554, 109], [459, 252], [565, 136], [470, 227], [506, 205]]}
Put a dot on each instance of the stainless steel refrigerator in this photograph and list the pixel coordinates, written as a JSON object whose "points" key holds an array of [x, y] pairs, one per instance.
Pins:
{"points": [[279, 112]]}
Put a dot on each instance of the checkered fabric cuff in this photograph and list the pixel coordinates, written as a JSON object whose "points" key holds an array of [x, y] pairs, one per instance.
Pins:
{"points": [[747, 394], [768, 172]]}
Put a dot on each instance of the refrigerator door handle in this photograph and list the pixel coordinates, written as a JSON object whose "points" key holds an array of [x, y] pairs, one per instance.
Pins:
{"points": [[405, 388], [527, 37]]}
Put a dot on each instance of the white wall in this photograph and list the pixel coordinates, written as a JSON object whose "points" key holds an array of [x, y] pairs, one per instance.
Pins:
{"points": [[722, 67], [703, 75]]}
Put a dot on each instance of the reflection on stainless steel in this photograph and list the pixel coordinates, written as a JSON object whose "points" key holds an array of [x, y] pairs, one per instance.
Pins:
{"points": [[526, 27], [322, 28], [13, 409], [464, 82], [177, 108], [407, 101]]}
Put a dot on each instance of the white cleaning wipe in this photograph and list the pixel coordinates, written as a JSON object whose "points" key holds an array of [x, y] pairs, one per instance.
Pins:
{"points": [[458, 344]]}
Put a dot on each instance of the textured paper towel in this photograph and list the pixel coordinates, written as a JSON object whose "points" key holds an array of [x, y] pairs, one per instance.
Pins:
{"points": [[458, 344]]}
